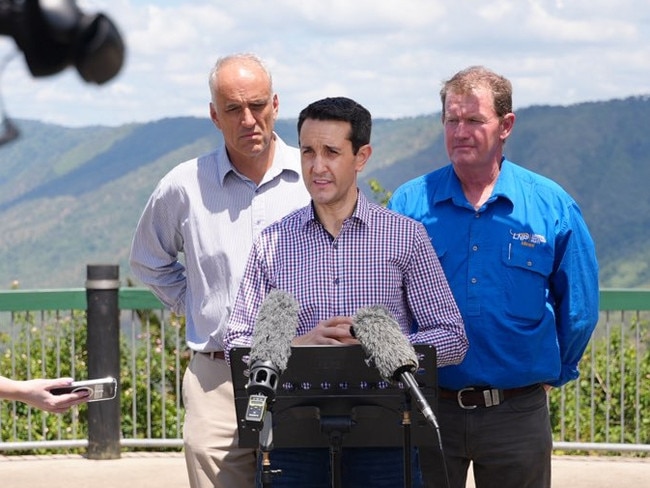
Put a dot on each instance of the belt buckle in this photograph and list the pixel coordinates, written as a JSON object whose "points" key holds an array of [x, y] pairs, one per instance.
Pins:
{"points": [[459, 398]]}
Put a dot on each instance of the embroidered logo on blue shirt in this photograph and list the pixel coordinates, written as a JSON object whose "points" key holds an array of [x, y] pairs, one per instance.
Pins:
{"points": [[528, 239]]}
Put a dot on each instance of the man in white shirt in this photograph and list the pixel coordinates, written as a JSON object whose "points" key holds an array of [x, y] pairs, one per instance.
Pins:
{"points": [[210, 209]]}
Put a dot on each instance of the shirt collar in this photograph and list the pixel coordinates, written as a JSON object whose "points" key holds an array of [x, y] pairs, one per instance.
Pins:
{"points": [[361, 211], [451, 189], [283, 160], [506, 182]]}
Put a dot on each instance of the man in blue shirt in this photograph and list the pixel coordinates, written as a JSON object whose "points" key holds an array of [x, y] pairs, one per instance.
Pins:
{"points": [[522, 267], [335, 256]]}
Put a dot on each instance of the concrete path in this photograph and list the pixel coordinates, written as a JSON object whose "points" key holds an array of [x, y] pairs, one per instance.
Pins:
{"points": [[167, 470]]}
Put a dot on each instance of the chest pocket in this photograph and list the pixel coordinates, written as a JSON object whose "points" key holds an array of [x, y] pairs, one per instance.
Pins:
{"points": [[526, 274]]}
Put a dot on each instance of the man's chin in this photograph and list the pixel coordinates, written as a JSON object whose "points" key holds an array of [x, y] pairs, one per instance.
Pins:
{"points": [[254, 148], [320, 198]]}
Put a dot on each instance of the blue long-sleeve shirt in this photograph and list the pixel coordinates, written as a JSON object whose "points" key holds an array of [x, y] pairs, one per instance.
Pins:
{"points": [[523, 272]]}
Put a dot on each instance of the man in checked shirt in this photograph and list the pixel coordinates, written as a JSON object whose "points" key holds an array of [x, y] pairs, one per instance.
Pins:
{"points": [[335, 256]]}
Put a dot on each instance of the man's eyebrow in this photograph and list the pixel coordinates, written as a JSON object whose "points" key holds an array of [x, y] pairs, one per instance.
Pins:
{"points": [[332, 147]]}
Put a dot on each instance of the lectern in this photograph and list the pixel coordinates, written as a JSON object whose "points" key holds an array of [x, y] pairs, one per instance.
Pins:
{"points": [[331, 397]]}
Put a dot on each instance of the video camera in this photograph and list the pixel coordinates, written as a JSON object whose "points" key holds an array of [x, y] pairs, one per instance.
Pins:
{"points": [[55, 34]]}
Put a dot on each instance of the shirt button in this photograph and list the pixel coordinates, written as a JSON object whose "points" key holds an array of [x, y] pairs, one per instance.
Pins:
{"points": [[336, 281], [474, 247], [474, 280], [529, 263]]}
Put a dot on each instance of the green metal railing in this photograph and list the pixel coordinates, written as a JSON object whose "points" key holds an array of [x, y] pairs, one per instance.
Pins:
{"points": [[72, 299], [607, 409]]}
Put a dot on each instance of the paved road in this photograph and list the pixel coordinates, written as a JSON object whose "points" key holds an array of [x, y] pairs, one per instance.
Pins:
{"points": [[167, 470]]}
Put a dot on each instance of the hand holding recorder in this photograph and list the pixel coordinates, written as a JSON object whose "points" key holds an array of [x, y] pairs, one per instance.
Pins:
{"points": [[97, 389]]}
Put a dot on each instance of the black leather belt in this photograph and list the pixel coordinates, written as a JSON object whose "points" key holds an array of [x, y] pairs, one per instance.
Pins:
{"points": [[214, 354], [472, 397]]}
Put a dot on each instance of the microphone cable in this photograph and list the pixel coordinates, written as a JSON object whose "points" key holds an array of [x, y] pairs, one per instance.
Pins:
{"points": [[442, 455]]}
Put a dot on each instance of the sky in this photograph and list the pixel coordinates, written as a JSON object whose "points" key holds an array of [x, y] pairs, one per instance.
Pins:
{"points": [[389, 55]]}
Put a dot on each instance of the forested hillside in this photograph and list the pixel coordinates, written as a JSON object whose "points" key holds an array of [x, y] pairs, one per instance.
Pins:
{"points": [[71, 197]]}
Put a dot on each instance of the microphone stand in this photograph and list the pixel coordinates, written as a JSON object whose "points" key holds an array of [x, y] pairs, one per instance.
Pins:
{"points": [[362, 416], [266, 446], [406, 423], [336, 426]]}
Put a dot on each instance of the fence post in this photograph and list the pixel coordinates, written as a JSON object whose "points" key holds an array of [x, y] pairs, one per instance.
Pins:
{"points": [[103, 345]]}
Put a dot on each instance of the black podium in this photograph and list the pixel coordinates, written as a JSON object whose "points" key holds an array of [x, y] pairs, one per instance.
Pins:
{"points": [[330, 397]]}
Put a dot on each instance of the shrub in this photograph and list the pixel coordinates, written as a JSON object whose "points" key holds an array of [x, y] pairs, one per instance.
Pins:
{"points": [[42, 345], [610, 402]]}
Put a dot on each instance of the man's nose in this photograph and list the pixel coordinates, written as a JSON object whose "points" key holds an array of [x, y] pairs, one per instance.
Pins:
{"points": [[247, 117]]}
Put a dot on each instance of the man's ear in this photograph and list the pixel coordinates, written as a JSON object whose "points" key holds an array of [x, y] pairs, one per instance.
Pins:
{"points": [[362, 157], [276, 106], [507, 123], [213, 116]]}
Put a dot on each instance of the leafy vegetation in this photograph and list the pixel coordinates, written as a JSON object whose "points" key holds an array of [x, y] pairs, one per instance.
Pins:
{"points": [[609, 403], [150, 402], [29, 354], [379, 193]]}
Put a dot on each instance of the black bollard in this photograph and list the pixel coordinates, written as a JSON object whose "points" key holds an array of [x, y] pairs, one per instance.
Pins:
{"points": [[103, 345]]}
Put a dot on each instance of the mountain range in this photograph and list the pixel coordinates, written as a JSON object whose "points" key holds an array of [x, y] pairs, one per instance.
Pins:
{"points": [[70, 197]]}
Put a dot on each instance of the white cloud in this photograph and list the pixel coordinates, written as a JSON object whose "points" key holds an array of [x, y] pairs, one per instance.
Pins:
{"points": [[389, 55]]}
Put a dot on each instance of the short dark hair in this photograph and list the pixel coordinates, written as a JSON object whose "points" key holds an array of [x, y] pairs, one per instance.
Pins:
{"points": [[343, 109]]}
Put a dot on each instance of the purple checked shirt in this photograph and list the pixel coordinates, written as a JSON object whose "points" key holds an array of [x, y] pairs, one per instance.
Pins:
{"points": [[379, 258]]}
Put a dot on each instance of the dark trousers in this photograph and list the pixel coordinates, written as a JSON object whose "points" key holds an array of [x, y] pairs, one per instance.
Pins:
{"points": [[360, 468], [509, 445]]}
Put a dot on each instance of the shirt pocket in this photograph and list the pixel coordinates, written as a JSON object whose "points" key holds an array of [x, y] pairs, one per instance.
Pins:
{"points": [[526, 275]]}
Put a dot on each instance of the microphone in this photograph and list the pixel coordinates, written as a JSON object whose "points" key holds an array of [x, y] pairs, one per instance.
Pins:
{"points": [[55, 34], [275, 327], [391, 352]]}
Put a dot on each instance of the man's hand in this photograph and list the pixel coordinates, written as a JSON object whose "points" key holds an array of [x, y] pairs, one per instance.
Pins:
{"points": [[37, 394], [331, 332]]}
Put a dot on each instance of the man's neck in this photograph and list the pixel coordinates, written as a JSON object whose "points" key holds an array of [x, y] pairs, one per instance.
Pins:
{"points": [[254, 167], [332, 216], [478, 184]]}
